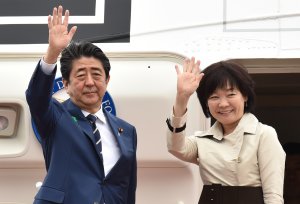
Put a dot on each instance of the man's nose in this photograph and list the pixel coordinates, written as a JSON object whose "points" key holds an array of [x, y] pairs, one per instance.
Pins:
{"points": [[89, 80]]}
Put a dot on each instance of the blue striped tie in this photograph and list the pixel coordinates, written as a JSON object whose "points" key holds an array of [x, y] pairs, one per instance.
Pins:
{"points": [[92, 119]]}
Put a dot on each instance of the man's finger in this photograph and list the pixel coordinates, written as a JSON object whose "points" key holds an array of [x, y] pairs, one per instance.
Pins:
{"points": [[49, 22], [59, 19], [66, 18], [54, 16], [72, 32]]}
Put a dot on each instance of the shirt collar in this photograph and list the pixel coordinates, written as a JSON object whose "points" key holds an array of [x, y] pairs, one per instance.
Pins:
{"points": [[99, 114], [247, 124]]}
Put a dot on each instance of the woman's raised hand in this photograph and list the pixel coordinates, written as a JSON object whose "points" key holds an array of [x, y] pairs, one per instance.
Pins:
{"points": [[187, 82], [188, 79]]}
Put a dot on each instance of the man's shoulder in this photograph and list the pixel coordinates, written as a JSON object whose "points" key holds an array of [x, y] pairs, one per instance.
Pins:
{"points": [[117, 119]]}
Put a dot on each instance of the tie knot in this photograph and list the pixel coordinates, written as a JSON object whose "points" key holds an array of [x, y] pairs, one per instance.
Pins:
{"points": [[91, 118]]}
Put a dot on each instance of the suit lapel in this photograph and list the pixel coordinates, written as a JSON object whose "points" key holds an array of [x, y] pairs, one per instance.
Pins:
{"points": [[80, 119], [84, 125], [116, 129], [118, 133]]}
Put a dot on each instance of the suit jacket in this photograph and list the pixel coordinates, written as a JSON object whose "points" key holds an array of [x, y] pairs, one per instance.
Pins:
{"points": [[75, 173]]}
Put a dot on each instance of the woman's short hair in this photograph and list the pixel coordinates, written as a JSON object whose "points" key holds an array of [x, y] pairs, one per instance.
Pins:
{"points": [[221, 74]]}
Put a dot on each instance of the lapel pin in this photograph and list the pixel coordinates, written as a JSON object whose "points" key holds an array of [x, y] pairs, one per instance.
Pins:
{"points": [[74, 119], [120, 130]]}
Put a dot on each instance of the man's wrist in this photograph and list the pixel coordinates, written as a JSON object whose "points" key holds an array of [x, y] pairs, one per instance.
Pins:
{"points": [[51, 55]]}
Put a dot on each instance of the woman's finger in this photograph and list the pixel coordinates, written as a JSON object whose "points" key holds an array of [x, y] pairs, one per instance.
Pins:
{"points": [[186, 63], [191, 65]]}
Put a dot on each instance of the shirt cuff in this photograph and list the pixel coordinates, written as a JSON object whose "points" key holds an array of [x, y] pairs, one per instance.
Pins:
{"points": [[178, 122], [47, 68]]}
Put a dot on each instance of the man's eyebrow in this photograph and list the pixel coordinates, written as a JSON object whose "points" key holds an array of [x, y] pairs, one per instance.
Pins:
{"points": [[97, 68], [93, 68]]}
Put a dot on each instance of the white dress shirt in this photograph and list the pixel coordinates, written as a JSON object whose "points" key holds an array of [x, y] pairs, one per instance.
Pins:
{"points": [[110, 149], [250, 156]]}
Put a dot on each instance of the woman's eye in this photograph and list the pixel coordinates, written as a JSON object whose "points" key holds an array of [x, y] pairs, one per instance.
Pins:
{"points": [[213, 97]]}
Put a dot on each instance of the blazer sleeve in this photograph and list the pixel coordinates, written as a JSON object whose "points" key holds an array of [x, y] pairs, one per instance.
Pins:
{"points": [[271, 161], [183, 147], [133, 179]]}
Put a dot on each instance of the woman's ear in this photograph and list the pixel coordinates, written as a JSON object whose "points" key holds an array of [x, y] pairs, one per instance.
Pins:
{"points": [[245, 101]]}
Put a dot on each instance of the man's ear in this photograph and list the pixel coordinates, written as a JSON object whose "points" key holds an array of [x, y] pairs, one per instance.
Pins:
{"points": [[66, 85], [107, 79]]}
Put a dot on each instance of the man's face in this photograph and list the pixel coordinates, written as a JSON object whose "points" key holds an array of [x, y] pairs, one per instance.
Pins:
{"points": [[87, 83]]}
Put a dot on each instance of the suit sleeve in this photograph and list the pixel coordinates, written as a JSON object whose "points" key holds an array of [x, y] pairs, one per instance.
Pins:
{"points": [[133, 179], [39, 97]]}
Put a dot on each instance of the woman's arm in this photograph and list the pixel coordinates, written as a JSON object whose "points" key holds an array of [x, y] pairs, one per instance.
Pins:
{"points": [[271, 161]]}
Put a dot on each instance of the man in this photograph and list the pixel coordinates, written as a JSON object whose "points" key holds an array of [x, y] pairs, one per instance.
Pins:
{"points": [[83, 165]]}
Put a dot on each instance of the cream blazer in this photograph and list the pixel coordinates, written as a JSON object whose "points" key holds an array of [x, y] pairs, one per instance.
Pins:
{"points": [[250, 156]]}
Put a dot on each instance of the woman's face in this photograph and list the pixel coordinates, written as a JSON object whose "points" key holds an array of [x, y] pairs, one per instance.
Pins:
{"points": [[226, 105]]}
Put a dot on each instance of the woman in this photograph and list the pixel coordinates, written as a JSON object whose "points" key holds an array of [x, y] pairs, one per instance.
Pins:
{"points": [[241, 160]]}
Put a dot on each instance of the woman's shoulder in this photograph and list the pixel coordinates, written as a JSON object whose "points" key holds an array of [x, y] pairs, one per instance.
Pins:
{"points": [[258, 126], [266, 132]]}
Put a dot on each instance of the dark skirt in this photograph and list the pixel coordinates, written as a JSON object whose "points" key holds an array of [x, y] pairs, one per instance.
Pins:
{"points": [[218, 194]]}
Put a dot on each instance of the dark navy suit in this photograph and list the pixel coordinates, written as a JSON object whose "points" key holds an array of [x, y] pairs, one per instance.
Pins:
{"points": [[75, 173]]}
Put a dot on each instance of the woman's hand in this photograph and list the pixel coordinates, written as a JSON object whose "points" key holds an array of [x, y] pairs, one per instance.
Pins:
{"points": [[187, 82]]}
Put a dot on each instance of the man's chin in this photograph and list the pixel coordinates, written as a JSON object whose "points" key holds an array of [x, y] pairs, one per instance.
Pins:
{"points": [[91, 102]]}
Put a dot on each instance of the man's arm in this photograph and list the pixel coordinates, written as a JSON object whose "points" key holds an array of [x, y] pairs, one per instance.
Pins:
{"points": [[39, 92], [133, 176]]}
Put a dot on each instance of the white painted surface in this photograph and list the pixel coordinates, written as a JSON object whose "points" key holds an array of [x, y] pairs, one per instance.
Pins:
{"points": [[144, 96]]}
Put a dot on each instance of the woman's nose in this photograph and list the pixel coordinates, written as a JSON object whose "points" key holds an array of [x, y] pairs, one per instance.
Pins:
{"points": [[223, 102]]}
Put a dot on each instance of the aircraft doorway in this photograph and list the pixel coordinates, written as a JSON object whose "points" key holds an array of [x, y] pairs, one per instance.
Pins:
{"points": [[277, 83]]}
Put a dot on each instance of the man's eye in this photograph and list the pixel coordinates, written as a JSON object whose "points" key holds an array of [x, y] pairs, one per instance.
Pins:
{"points": [[80, 76]]}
